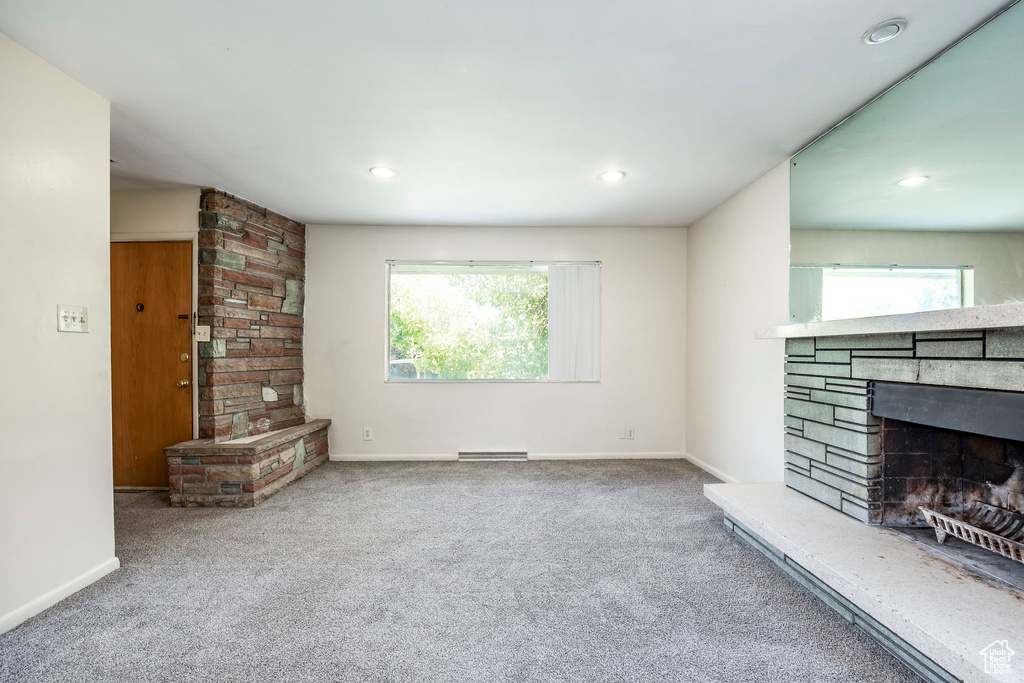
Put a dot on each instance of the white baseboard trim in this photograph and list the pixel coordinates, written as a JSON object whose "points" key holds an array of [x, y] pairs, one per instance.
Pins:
{"points": [[728, 479], [605, 456], [52, 597], [397, 457], [391, 457]]}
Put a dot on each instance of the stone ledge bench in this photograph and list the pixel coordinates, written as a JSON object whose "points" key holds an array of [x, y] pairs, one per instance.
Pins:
{"points": [[244, 472]]}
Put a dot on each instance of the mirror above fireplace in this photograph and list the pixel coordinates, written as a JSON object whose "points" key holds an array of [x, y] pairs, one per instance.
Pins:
{"points": [[916, 202]]}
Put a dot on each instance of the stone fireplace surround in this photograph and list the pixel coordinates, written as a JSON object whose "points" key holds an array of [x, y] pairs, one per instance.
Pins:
{"points": [[879, 472], [933, 614]]}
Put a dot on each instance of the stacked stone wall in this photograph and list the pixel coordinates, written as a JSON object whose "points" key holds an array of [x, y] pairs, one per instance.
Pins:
{"points": [[203, 473], [251, 294]]}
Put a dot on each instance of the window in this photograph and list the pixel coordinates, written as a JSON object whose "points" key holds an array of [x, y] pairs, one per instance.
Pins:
{"points": [[841, 292], [492, 321]]}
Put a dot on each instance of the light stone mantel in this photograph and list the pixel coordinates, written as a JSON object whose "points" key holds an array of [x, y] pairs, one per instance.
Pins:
{"points": [[974, 318]]}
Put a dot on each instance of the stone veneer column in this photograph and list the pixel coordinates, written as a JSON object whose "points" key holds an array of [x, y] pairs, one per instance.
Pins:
{"points": [[251, 294]]}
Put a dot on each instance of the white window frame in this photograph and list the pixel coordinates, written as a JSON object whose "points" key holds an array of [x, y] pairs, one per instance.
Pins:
{"points": [[388, 379], [966, 278]]}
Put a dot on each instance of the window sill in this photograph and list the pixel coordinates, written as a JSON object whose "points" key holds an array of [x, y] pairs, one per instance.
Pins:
{"points": [[491, 381]]}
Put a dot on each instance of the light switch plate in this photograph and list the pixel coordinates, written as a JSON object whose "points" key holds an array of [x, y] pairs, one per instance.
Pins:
{"points": [[202, 333], [72, 318]]}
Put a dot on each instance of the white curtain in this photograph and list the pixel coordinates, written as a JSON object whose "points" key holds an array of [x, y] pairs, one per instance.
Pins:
{"points": [[574, 322]]}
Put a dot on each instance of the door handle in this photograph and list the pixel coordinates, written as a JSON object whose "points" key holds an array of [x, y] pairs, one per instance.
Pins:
{"points": [[182, 382]]}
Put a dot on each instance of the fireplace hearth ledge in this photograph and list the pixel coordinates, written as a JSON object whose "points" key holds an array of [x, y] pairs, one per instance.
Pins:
{"points": [[972, 318], [944, 611]]}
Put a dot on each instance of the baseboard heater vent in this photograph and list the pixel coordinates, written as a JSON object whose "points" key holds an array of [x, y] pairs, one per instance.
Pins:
{"points": [[469, 456]]}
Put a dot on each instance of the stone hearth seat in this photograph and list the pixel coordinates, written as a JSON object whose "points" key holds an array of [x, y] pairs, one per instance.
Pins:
{"points": [[244, 472]]}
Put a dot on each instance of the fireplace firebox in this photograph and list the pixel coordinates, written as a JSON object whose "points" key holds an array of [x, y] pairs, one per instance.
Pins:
{"points": [[913, 430], [944, 449]]}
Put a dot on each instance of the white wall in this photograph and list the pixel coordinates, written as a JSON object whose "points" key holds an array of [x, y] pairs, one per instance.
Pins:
{"points": [[737, 279], [643, 374], [56, 502], [997, 257]]}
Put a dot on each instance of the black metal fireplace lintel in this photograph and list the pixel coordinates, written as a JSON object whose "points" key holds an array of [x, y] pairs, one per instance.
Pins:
{"points": [[991, 413]]}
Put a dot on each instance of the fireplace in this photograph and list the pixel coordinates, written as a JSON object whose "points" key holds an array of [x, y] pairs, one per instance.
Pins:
{"points": [[912, 430], [949, 463], [882, 419], [945, 449]]}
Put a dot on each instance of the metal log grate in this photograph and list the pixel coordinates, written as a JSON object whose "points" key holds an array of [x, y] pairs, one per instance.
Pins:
{"points": [[986, 526]]}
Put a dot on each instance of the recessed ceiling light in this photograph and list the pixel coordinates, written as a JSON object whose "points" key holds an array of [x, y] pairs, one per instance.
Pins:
{"points": [[383, 172], [885, 31], [913, 181], [611, 176]]}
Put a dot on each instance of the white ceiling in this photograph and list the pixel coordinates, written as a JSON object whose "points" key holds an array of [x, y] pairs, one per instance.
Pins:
{"points": [[493, 113]]}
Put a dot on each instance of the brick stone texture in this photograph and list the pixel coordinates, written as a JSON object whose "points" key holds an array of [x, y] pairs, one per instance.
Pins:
{"points": [[252, 265], [834, 446], [226, 480]]}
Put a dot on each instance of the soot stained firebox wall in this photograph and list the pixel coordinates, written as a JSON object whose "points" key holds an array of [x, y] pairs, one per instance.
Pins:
{"points": [[945, 470]]}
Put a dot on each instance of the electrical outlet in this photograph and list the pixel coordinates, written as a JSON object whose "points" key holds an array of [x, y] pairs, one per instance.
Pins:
{"points": [[202, 333], [72, 319], [630, 432], [367, 433]]}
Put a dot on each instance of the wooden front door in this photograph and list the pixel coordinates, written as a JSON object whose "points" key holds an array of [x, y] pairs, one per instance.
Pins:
{"points": [[150, 350]]}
